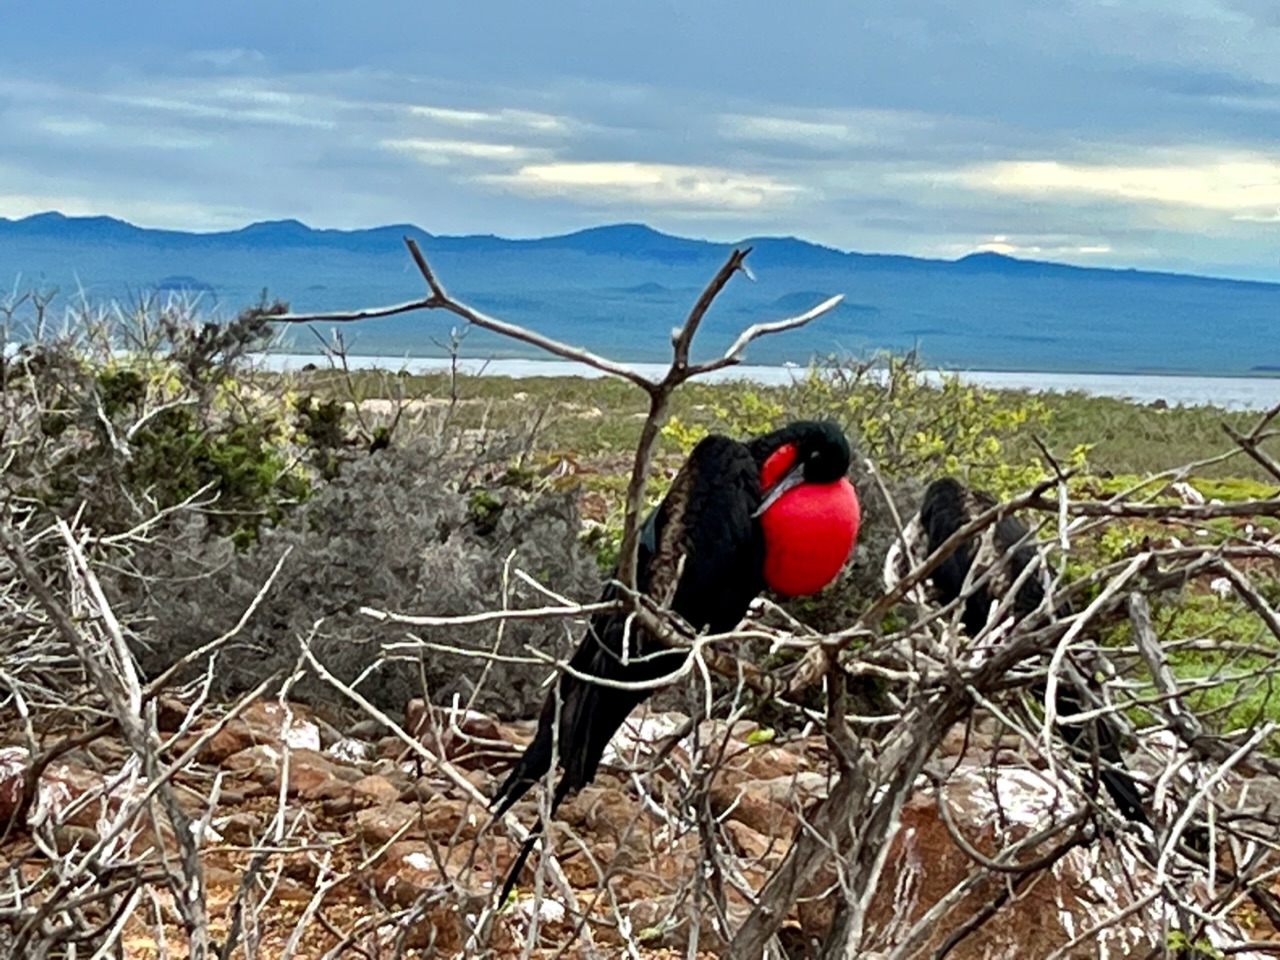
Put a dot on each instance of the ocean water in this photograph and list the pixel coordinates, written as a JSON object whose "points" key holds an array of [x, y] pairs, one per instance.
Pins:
{"points": [[620, 291], [1229, 393]]}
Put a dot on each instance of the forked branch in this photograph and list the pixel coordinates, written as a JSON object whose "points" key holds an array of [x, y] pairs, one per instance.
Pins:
{"points": [[659, 391]]}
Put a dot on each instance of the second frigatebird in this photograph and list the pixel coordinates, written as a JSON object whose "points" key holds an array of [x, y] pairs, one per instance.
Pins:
{"points": [[777, 511], [949, 505]]}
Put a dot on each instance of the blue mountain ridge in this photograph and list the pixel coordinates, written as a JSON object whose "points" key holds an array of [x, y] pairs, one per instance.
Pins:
{"points": [[619, 288]]}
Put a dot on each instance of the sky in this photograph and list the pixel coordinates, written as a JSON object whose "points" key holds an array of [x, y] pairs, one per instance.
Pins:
{"points": [[1129, 133]]}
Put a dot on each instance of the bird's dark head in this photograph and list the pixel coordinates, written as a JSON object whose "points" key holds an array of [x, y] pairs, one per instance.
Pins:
{"points": [[804, 451], [809, 511], [823, 451]]}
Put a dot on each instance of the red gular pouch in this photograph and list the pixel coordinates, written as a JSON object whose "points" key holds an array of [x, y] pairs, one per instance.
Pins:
{"points": [[809, 533], [809, 530]]}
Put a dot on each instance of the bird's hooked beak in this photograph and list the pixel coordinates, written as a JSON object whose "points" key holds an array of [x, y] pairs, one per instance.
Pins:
{"points": [[788, 481]]}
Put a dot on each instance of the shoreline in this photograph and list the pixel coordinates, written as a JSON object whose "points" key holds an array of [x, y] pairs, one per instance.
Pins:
{"points": [[1230, 393]]}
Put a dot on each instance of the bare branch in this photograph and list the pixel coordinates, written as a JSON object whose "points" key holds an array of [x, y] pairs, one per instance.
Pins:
{"points": [[440, 300], [1161, 511], [816, 661], [734, 354], [682, 340], [1249, 444], [352, 316], [491, 616], [659, 401], [110, 665]]}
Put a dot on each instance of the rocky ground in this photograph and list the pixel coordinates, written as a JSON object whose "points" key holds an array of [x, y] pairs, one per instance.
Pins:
{"points": [[320, 839]]}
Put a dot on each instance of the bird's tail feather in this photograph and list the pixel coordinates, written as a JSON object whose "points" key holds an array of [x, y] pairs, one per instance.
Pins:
{"points": [[522, 858], [1124, 792], [526, 848], [587, 716], [532, 765], [1100, 736]]}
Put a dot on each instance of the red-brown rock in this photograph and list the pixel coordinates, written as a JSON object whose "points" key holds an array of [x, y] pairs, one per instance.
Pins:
{"points": [[377, 825], [605, 812], [924, 863], [465, 737], [374, 789], [312, 775], [262, 722]]}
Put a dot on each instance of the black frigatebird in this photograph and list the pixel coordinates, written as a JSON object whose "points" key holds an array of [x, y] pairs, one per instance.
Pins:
{"points": [[947, 506], [777, 511]]}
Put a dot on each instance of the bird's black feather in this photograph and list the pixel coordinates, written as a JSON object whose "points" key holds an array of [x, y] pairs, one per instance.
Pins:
{"points": [[702, 547], [948, 505]]}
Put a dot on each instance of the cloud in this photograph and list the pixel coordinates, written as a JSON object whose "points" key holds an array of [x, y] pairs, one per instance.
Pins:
{"points": [[72, 126], [507, 119], [443, 152], [229, 58], [175, 215], [631, 183], [1246, 185], [230, 104], [828, 131], [1259, 13], [1055, 248], [1271, 217], [892, 125], [87, 130]]}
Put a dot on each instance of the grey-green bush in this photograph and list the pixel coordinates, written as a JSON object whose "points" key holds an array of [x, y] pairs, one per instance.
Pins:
{"points": [[392, 532]]}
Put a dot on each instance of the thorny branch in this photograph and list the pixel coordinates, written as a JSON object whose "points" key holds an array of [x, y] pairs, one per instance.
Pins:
{"points": [[109, 664]]}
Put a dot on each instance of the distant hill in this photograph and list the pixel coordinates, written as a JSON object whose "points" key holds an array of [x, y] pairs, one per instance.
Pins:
{"points": [[620, 288]]}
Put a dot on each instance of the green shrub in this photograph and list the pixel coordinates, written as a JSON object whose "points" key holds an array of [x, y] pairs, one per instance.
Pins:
{"points": [[909, 422], [1240, 695], [130, 415]]}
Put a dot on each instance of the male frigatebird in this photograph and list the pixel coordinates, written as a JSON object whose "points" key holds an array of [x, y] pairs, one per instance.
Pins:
{"points": [[776, 512], [947, 506]]}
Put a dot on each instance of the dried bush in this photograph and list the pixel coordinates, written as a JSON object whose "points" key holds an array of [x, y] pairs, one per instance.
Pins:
{"points": [[156, 421]]}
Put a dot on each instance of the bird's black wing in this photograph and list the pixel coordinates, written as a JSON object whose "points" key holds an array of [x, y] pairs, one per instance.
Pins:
{"points": [[717, 535], [1098, 734], [948, 505], [701, 550]]}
